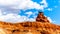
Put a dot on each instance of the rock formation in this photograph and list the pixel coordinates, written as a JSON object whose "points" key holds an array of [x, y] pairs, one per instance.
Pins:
{"points": [[41, 18], [40, 26]]}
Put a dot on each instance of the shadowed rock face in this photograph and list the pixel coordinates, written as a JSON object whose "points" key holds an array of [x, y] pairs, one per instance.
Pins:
{"points": [[40, 26]]}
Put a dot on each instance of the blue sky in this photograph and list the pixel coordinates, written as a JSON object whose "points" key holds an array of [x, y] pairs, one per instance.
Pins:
{"points": [[53, 13], [27, 10]]}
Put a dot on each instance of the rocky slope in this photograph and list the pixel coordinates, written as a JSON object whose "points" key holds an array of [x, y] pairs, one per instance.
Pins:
{"points": [[41, 26]]}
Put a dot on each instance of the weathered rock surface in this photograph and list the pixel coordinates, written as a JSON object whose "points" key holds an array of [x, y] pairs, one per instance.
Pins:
{"points": [[40, 26], [41, 18]]}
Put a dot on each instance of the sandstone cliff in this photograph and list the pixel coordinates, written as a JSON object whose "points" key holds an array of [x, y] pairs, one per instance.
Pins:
{"points": [[40, 26]]}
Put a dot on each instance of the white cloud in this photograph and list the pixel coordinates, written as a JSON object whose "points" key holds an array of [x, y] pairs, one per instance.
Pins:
{"points": [[52, 21], [15, 18], [12, 17], [45, 3], [29, 13], [49, 19], [21, 4], [0, 12], [9, 9], [49, 9]]}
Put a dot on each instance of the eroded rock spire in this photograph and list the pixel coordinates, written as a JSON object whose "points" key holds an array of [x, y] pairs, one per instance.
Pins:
{"points": [[41, 18]]}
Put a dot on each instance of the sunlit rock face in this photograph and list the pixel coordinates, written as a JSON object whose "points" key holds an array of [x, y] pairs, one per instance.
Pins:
{"points": [[40, 26], [4, 31]]}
